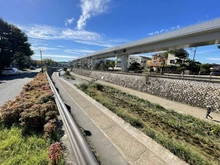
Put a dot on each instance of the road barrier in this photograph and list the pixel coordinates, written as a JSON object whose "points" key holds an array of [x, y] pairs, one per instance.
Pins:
{"points": [[83, 153]]}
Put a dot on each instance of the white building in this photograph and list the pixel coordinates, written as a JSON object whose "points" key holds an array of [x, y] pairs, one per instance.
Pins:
{"points": [[131, 59], [171, 59]]}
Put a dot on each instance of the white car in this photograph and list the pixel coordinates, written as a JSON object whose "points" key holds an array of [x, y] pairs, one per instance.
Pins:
{"points": [[10, 71]]}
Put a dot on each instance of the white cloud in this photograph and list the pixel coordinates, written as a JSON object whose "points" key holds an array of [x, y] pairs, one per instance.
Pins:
{"points": [[78, 51], [80, 35], [43, 48], [60, 46], [90, 8], [55, 56], [69, 21], [41, 33], [163, 30], [213, 59]]}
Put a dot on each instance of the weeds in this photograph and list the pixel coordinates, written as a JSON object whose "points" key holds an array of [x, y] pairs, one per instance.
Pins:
{"points": [[191, 139]]}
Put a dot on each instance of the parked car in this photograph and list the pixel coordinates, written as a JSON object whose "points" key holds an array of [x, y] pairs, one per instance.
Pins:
{"points": [[10, 71], [32, 68], [215, 73]]}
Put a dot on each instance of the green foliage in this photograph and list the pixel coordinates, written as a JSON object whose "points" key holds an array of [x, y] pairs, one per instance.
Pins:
{"points": [[104, 65], [83, 87], [165, 55], [50, 62], [205, 68], [68, 75], [22, 62], [99, 87], [181, 68], [16, 149], [14, 45], [65, 68], [111, 64], [135, 67], [180, 53], [31, 124], [191, 139]]}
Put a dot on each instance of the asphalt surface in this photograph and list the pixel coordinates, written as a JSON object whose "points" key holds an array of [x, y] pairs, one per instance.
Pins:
{"points": [[11, 86], [115, 141]]}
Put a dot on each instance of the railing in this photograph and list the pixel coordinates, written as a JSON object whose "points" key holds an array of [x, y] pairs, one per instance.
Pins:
{"points": [[204, 78], [83, 153]]}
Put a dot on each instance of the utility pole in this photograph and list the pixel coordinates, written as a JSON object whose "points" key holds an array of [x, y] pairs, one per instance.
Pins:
{"points": [[41, 60], [194, 54]]}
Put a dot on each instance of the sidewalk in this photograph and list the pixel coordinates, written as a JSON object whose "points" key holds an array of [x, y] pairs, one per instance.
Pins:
{"points": [[168, 104], [115, 141]]}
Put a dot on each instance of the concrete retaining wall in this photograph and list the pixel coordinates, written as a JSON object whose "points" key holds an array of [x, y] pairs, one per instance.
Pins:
{"points": [[198, 94]]}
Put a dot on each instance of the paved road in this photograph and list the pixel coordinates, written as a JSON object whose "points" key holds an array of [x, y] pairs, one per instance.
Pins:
{"points": [[11, 86]]}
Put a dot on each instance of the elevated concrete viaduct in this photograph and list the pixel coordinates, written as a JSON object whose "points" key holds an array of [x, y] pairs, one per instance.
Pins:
{"points": [[205, 33]]}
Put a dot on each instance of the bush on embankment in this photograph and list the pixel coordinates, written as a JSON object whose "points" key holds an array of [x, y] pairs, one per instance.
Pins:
{"points": [[28, 126], [193, 140]]}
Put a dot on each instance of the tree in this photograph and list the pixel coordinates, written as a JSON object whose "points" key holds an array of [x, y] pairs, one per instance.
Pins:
{"points": [[50, 62], [22, 62], [165, 55], [193, 66], [136, 67], [112, 64], [181, 54], [13, 44], [205, 68]]}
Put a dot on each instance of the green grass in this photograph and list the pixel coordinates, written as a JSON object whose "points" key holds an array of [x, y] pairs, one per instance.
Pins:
{"points": [[67, 75], [193, 140], [17, 149]]}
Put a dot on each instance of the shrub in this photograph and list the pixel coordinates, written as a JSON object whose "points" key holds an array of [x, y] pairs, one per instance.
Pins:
{"points": [[99, 87], [50, 129], [83, 87], [65, 68], [67, 73], [34, 112], [55, 153]]}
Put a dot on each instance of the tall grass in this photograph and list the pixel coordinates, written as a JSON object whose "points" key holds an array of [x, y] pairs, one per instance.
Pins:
{"points": [[16, 149], [191, 139]]}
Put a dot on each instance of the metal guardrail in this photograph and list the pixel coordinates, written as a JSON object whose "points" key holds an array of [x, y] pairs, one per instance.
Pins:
{"points": [[82, 151], [207, 78]]}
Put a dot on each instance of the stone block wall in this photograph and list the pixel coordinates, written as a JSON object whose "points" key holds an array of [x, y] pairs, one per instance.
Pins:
{"points": [[195, 93]]}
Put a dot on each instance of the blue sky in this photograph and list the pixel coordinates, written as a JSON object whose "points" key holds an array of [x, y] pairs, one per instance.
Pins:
{"points": [[67, 29]]}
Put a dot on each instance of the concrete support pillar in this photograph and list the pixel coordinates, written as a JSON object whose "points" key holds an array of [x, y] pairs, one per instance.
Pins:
{"points": [[75, 64], [81, 63], [124, 61], [92, 64]]}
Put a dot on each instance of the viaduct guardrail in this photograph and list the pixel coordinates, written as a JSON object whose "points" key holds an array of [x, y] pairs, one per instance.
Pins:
{"points": [[82, 151]]}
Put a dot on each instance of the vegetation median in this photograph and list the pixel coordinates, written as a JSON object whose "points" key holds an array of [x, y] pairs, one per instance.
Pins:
{"points": [[28, 127]]}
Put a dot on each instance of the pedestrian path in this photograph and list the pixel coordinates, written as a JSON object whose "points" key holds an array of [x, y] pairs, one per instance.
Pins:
{"points": [[115, 141], [168, 104]]}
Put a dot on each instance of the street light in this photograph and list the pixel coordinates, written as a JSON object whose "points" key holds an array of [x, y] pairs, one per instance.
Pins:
{"points": [[41, 59]]}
